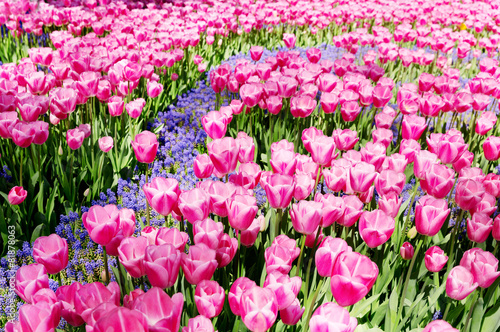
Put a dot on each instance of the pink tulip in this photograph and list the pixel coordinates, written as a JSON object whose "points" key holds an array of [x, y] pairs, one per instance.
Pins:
{"points": [[413, 127], [131, 254], [162, 265], [381, 95], [215, 124], [238, 287], [439, 326], [278, 258], [154, 89], [287, 86], [491, 148], [279, 190], [406, 251], [66, 296], [256, 52], [199, 324], [460, 283], [259, 309], [430, 215], [17, 195], [249, 236], [251, 94], [121, 319], [304, 185], [145, 146], [203, 166], [485, 123], [29, 280], [89, 296], [224, 154], [350, 111], [327, 254], [194, 204], [479, 227], [226, 250], [292, 314], [22, 133], [331, 317], [101, 223], [209, 298], [361, 177], [333, 208], [345, 139], [469, 194], [306, 216], [246, 151], [162, 194], [199, 264], [289, 40], [208, 232], [134, 108], [322, 149], [352, 278], [438, 181], [302, 106], [284, 287], [220, 193], [423, 161], [39, 317], [408, 148], [375, 227], [374, 153], [106, 143], [352, 212], [52, 252], [115, 105], [435, 259], [483, 265], [166, 235], [390, 181], [242, 210]]}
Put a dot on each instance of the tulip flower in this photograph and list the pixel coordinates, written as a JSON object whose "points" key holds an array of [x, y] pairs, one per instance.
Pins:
{"points": [[89, 296], [166, 235], [327, 254], [256, 52], [460, 283], [331, 317], [101, 223], [199, 324], [162, 194], [352, 212], [430, 215], [483, 265], [162, 265], [194, 204], [242, 210], [106, 143], [352, 278], [438, 181], [375, 227], [390, 181], [52, 252], [17, 195], [215, 124], [279, 190], [239, 286], [131, 254], [491, 148], [209, 298], [406, 251], [203, 166], [259, 309], [39, 317], [361, 177], [122, 319], [479, 227], [30, 279], [220, 193], [199, 263], [208, 232], [468, 194], [306, 216], [435, 259], [115, 105], [66, 296], [224, 154], [439, 326], [278, 258], [145, 146]]}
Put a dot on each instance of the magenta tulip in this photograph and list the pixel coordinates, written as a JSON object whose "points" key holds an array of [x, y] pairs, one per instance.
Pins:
{"points": [[122, 319], [430, 215], [194, 204], [29, 280], [242, 210], [101, 223], [327, 254], [224, 154], [460, 283], [52, 252], [331, 317], [306, 216], [209, 298], [162, 265], [162, 194], [259, 309], [375, 227], [435, 259], [145, 146], [199, 263], [17, 195]]}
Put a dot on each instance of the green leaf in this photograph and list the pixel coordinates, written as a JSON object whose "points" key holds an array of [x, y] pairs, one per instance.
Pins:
{"points": [[366, 328], [477, 316], [359, 309], [491, 322], [37, 232]]}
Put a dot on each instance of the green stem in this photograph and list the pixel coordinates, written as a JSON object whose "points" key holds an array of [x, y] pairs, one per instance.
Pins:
{"points": [[451, 254], [417, 183], [407, 281], [311, 258], [106, 268], [447, 310], [318, 177], [279, 213], [469, 315], [147, 203], [313, 302], [436, 279], [59, 278], [21, 169], [299, 262]]}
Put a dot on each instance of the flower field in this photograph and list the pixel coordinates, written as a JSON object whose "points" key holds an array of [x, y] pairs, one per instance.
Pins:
{"points": [[290, 165]]}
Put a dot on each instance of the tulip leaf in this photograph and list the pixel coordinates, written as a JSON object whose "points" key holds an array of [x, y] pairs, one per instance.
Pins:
{"points": [[477, 316], [491, 322], [360, 308], [37, 232], [366, 328], [379, 313]]}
